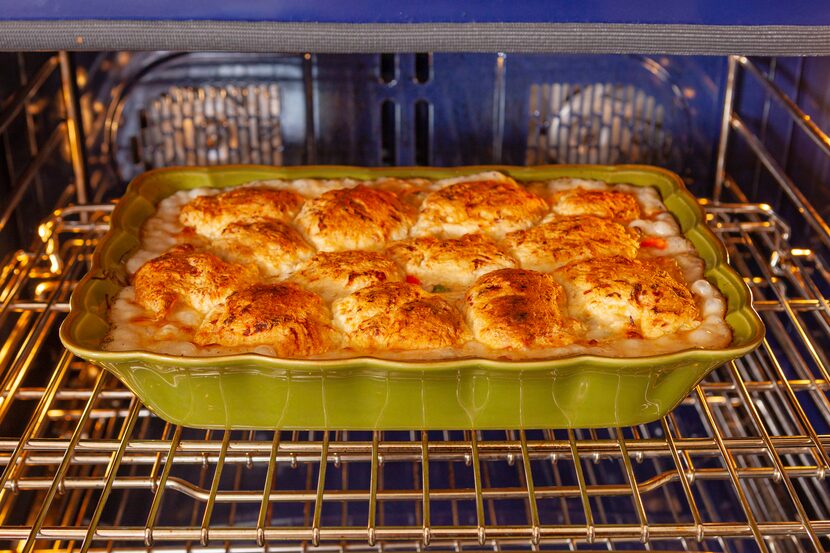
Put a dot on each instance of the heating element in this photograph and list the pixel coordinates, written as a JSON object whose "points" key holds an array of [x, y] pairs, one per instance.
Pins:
{"points": [[741, 465]]}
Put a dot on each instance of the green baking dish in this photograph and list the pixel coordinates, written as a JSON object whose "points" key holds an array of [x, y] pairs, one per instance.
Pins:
{"points": [[257, 392]]}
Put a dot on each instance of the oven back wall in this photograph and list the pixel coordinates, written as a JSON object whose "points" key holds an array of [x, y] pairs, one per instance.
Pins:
{"points": [[418, 109]]}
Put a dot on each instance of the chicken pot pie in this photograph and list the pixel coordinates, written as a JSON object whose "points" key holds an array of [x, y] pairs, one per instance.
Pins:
{"points": [[475, 266]]}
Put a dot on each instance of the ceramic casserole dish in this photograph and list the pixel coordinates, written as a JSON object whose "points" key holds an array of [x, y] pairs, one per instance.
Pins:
{"points": [[251, 391]]}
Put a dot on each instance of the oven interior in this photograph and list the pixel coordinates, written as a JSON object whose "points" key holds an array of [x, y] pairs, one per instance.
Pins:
{"points": [[741, 465]]}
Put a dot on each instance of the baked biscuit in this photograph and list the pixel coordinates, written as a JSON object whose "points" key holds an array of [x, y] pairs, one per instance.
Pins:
{"points": [[291, 320], [671, 266], [398, 316], [611, 204], [183, 274], [452, 263], [358, 218], [208, 215], [620, 297], [563, 240], [519, 309], [336, 274], [276, 248], [494, 207], [411, 192]]}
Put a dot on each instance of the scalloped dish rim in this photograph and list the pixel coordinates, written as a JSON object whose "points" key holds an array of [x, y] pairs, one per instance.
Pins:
{"points": [[135, 190]]}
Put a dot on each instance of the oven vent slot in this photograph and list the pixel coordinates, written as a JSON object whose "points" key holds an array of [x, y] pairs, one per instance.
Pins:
{"points": [[596, 123], [212, 125]]}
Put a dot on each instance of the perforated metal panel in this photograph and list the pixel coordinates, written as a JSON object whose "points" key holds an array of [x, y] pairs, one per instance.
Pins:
{"points": [[603, 123], [211, 125]]}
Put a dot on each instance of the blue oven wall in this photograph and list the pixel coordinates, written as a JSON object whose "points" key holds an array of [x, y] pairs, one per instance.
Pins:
{"points": [[443, 109], [805, 81], [688, 88], [481, 111], [462, 109]]}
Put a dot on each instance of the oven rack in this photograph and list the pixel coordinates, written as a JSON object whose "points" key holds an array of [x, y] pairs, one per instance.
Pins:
{"points": [[741, 465]]}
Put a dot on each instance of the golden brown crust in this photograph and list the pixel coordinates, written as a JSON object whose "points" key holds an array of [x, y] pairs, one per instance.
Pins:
{"points": [[183, 274], [611, 204], [358, 218], [632, 298], [398, 186], [276, 248], [519, 309], [210, 214], [336, 274], [494, 207], [566, 239], [398, 316], [453, 263], [670, 265], [411, 192], [291, 320]]}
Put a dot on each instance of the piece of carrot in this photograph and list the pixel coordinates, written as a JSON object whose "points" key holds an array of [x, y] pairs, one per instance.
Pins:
{"points": [[654, 242]]}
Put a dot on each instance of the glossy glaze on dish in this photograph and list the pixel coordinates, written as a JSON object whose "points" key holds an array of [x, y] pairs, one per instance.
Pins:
{"points": [[253, 391], [422, 270]]}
